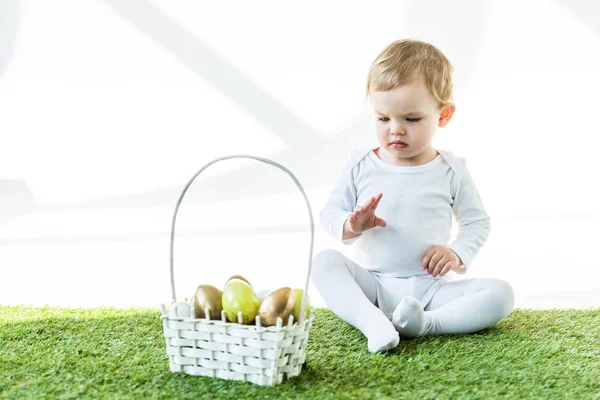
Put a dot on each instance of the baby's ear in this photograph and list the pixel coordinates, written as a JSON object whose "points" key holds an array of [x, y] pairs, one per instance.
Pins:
{"points": [[446, 114]]}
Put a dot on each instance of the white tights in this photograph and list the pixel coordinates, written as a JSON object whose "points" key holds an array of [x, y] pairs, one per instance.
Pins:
{"points": [[363, 300]]}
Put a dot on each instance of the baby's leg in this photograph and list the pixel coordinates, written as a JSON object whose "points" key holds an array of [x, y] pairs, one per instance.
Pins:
{"points": [[350, 291], [463, 306]]}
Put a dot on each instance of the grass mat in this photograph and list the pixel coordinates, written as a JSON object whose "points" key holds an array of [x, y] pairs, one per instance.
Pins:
{"points": [[54, 352]]}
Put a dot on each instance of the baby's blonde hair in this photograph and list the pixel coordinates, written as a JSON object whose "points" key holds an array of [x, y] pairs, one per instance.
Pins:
{"points": [[406, 60]]}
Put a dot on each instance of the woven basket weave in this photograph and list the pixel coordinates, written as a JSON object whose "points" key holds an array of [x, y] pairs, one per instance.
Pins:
{"points": [[227, 350]]}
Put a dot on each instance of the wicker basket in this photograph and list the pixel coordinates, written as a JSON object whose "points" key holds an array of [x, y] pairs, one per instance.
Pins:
{"points": [[227, 350]]}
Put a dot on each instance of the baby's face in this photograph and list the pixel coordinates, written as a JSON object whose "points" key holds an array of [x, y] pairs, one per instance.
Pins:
{"points": [[407, 113]]}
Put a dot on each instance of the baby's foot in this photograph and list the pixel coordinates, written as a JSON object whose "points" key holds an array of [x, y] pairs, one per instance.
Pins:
{"points": [[409, 317], [382, 336]]}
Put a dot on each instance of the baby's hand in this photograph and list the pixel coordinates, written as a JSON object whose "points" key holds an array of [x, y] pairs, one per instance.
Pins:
{"points": [[439, 260], [363, 218]]}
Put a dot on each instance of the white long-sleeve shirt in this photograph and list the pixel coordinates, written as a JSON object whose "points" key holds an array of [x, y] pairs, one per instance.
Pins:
{"points": [[417, 204]]}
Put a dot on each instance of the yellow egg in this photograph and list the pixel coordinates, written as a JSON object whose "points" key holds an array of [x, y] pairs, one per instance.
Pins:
{"points": [[239, 296], [279, 303], [298, 294], [207, 297]]}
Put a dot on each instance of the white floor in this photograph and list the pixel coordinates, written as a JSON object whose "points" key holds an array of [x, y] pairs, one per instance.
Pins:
{"points": [[120, 257]]}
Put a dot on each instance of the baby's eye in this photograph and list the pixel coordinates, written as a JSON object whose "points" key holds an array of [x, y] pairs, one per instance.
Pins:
{"points": [[383, 119], [413, 119]]}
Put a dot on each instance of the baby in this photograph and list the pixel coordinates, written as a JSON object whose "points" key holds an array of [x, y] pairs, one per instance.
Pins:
{"points": [[395, 204]]}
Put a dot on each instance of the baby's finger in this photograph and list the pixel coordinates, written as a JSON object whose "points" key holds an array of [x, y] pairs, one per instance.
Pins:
{"points": [[377, 198], [438, 267], [427, 258], [446, 268], [434, 261], [358, 209], [369, 204]]}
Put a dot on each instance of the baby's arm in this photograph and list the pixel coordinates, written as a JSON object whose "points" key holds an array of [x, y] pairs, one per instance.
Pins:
{"points": [[474, 223], [340, 204]]}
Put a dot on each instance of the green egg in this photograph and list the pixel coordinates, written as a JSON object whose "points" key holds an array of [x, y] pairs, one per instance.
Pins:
{"points": [[298, 293], [239, 296]]}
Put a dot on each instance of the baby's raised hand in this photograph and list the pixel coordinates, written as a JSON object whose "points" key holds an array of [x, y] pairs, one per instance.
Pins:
{"points": [[363, 218]]}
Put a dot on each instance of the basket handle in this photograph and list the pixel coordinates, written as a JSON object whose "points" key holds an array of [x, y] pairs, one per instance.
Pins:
{"points": [[284, 169]]}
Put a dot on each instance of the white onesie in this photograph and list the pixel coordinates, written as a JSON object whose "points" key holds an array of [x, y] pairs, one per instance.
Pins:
{"points": [[417, 205]]}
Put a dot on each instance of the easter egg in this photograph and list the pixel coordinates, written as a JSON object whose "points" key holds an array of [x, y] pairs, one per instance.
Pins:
{"points": [[277, 304], [298, 294], [207, 298], [238, 277], [262, 294], [180, 309], [239, 296]]}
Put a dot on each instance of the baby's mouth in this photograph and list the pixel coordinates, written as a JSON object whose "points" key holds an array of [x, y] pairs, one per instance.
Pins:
{"points": [[398, 144]]}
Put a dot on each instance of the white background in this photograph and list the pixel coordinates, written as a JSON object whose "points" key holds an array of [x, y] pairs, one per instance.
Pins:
{"points": [[108, 108]]}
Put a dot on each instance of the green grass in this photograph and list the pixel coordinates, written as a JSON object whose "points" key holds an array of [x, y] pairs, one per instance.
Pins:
{"points": [[111, 353]]}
